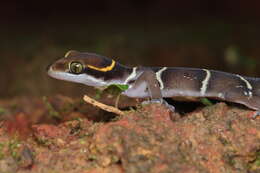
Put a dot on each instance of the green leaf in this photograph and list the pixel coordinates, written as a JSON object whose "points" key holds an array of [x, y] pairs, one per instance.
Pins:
{"points": [[116, 89], [2, 111], [206, 102], [113, 89], [121, 87], [98, 94]]}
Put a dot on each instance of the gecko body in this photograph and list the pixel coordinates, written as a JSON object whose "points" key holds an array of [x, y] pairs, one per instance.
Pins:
{"points": [[158, 82]]}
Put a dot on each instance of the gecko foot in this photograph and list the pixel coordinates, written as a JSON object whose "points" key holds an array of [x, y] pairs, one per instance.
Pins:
{"points": [[161, 101]]}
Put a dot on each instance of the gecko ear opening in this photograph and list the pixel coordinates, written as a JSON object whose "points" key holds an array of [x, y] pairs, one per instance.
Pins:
{"points": [[71, 53]]}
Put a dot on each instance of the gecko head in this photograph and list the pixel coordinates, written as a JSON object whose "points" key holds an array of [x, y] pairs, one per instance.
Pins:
{"points": [[86, 68]]}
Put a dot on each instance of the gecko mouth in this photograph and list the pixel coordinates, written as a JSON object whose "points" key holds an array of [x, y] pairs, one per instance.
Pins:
{"points": [[59, 75], [77, 78]]}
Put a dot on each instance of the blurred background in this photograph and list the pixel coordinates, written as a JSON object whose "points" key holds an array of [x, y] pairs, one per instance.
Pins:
{"points": [[221, 35]]}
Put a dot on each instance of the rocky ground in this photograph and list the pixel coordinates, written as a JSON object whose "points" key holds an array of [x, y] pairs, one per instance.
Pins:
{"points": [[60, 134]]}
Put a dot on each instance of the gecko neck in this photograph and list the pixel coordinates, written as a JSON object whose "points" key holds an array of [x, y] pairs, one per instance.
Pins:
{"points": [[120, 74]]}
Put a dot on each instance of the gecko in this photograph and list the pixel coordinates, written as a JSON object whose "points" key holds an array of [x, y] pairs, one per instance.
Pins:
{"points": [[156, 83]]}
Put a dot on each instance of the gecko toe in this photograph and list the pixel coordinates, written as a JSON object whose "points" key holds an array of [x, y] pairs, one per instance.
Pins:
{"points": [[160, 101]]}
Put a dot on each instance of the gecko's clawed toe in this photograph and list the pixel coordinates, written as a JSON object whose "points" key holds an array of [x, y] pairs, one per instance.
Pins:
{"points": [[160, 101]]}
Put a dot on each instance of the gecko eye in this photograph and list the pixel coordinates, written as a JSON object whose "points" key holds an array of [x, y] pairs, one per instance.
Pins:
{"points": [[76, 67]]}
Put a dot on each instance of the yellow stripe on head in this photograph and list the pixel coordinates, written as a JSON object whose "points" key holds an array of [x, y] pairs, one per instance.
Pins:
{"points": [[103, 69], [71, 53]]}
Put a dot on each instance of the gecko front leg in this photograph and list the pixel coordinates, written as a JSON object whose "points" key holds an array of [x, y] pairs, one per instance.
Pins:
{"points": [[147, 81]]}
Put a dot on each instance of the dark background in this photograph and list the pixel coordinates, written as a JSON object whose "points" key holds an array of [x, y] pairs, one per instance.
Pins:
{"points": [[221, 35]]}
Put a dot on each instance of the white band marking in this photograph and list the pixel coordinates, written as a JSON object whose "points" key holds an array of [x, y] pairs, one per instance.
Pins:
{"points": [[159, 77], [205, 82], [248, 85], [131, 76], [220, 95]]}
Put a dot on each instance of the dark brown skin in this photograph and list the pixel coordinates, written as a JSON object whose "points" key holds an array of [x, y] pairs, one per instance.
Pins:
{"points": [[159, 82], [232, 88], [92, 60]]}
